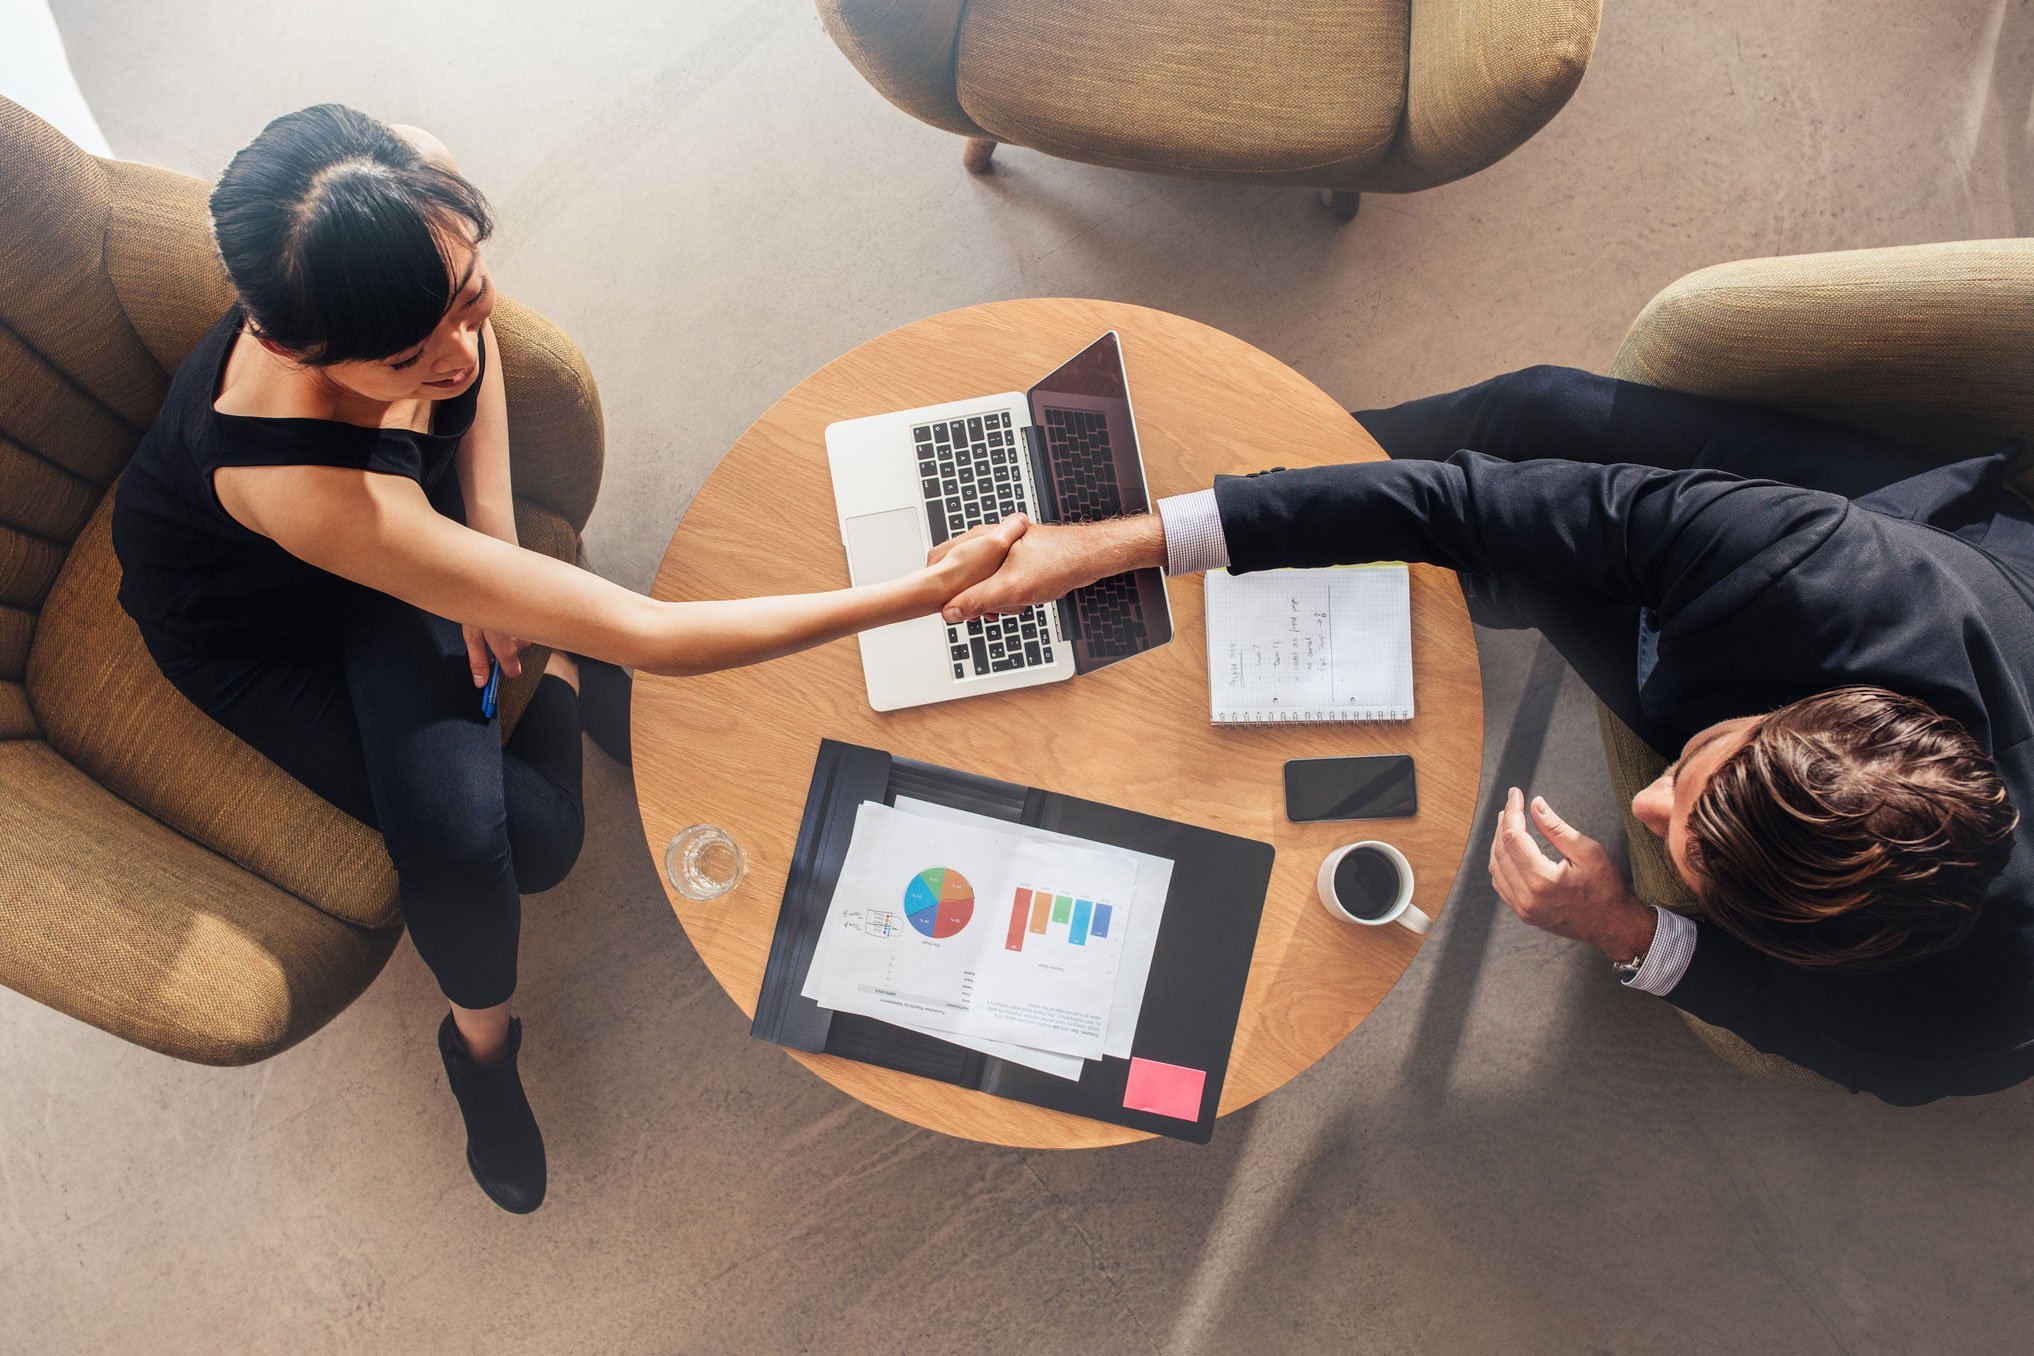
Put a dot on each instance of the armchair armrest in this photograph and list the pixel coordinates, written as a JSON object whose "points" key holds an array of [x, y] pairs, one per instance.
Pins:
{"points": [[120, 921], [1931, 343], [905, 48], [557, 438], [1633, 765], [1482, 77]]}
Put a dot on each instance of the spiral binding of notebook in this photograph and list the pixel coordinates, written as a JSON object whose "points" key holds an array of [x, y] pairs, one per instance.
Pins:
{"points": [[1310, 646]]}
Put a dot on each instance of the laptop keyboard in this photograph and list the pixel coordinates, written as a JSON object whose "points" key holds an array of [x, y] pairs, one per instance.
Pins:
{"points": [[1110, 615], [1019, 641], [968, 469]]}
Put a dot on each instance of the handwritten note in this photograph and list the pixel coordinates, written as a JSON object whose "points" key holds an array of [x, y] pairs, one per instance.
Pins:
{"points": [[1310, 645], [1285, 654]]}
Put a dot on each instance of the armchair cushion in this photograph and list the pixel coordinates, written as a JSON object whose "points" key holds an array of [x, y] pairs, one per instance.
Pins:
{"points": [[105, 707], [1304, 91], [120, 922], [108, 710], [1929, 343]]}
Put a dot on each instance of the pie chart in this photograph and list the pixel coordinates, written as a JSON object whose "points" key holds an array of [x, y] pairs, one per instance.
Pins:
{"points": [[939, 901]]}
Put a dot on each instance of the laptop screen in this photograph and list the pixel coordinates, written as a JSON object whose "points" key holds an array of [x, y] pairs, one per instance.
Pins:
{"points": [[1090, 440], [1096, 370]]}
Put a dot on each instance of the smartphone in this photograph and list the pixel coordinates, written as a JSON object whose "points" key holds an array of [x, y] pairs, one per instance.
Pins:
{"points": [[1376, 787]]}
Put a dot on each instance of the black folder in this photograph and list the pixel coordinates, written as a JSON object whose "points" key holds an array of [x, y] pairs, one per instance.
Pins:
{"points": [[1198, 968]]}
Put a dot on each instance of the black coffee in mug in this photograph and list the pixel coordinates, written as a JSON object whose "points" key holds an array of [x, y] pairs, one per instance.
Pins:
{"points": [[1366, 883]]}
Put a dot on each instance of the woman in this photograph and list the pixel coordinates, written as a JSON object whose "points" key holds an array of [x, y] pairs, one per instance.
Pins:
{"points": [[326, 485]]}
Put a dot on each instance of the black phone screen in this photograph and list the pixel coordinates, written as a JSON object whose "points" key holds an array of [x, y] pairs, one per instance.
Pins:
{"points": [[1378, 787]]}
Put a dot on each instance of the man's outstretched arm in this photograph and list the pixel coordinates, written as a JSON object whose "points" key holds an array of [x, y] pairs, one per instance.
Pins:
{"points": [[1621, 534]]}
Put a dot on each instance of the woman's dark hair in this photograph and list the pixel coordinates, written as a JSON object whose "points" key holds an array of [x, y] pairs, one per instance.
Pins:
{"points": [[334, 229], [1857, 828]]}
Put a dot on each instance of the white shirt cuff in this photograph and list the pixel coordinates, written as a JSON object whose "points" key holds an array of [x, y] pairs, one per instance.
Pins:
{"points": [[1193, 533], [1668, 957]]}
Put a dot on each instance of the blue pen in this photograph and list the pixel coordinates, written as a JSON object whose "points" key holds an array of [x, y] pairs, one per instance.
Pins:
{"points": [[487, 694]]}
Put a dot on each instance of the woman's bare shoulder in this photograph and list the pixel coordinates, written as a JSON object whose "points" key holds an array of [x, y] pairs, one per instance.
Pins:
{"points": [[300, 504]]}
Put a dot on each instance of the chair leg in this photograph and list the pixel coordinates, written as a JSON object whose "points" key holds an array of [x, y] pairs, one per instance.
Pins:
{"points": [[1342, 202], [976, 156]]}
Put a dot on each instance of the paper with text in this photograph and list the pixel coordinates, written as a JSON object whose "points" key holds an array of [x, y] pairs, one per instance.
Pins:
{"points": [[1310, 645], [1133, 974], [954, 927]]}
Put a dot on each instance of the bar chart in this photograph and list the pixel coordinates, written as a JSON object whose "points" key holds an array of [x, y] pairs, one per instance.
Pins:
{"points": [[1051, 917]]}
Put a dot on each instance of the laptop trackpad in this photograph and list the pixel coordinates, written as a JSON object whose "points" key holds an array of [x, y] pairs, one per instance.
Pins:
{"points": [[885, 546]]}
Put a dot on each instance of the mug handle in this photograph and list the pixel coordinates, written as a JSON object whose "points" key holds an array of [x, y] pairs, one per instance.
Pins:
{"points": [[1416, 920]]}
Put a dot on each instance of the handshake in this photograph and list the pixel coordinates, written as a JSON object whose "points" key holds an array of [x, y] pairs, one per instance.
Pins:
{"points": [[1008, 566]]}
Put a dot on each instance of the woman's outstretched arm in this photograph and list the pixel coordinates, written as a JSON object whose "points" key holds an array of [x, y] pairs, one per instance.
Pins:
{"points": [[380, 531]]}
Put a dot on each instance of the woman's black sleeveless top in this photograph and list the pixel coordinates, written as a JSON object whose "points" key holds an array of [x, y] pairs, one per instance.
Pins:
{"points": [[199, 584]]}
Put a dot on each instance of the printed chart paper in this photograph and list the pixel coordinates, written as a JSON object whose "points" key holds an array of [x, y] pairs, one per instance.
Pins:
{"points": [[1147, 911], [960, 928]]}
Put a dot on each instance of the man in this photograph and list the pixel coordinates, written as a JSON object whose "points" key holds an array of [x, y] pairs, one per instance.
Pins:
{"points": [[1837, 656]]}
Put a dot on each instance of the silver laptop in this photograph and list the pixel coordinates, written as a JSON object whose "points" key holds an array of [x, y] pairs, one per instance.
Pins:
{"points": [[1064, 451]]}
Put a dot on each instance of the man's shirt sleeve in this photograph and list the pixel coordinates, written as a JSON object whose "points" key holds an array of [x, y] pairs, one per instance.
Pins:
{"points": [[1193, 533], [1668, 957]]}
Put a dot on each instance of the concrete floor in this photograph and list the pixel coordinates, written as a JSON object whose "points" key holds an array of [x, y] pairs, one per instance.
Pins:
{"points": [[1510, 1155]]}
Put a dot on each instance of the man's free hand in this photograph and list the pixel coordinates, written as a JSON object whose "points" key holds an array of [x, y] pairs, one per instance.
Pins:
{"points": [[1582, 896], [1050, 561]]}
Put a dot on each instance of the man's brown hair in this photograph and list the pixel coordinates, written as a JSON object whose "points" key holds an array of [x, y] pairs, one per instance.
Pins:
{"points": [[1857, 827]]}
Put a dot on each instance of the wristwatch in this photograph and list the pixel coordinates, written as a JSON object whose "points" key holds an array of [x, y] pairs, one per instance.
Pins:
{"points": [[1627, 971]]}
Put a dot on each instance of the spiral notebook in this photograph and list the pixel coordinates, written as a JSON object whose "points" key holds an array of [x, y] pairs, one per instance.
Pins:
{"points": [[1310, 645]]}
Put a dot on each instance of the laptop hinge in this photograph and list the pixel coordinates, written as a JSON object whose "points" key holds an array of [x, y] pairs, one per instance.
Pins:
{"points": [[1046, 510]]}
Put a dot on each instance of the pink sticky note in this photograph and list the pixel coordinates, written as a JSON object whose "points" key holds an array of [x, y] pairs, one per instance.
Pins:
{"points": [[1165, 1089]]}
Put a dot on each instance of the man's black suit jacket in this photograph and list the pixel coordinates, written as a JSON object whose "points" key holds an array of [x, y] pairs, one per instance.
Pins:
{"points": [[1761, 593]]}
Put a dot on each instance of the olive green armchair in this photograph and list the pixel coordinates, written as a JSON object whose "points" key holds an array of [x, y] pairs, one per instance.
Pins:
{"points": [[1340, 95], [1930, 343], [162, 880]]}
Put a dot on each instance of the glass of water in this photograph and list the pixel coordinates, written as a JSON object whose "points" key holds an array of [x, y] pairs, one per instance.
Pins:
{"points": [[703, 862]]}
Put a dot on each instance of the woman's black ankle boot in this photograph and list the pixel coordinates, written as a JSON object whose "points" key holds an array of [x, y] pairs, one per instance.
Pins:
{"points": [[504, 1147]]}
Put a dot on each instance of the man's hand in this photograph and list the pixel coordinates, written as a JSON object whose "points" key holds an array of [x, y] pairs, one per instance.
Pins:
{"points": [[1049, 562], [960, 563], [1582, 897], [480, 645]]}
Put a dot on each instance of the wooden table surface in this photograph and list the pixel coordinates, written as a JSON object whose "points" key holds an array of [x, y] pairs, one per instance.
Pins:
{"points": [[736, 748]]}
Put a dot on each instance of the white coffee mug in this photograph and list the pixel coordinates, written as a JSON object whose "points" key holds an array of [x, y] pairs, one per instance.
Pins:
{"points": [[1402, 909]]}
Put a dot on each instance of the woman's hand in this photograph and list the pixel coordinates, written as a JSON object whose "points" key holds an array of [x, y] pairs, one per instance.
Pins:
{"points": [[483, 647], [960, 563]]}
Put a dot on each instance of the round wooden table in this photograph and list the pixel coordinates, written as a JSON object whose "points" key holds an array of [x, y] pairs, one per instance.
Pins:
{"points": [[736, 748]]}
